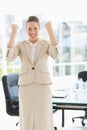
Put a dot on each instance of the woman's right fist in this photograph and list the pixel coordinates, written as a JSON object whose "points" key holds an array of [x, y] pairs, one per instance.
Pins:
{"points": [[14, 28]]}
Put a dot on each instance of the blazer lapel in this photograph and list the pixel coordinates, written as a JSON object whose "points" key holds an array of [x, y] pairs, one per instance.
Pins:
{"points": [[28, 51]]}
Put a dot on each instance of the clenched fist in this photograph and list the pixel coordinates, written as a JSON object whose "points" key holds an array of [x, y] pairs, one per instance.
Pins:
{"points": [[48, 25], [14, 28]]}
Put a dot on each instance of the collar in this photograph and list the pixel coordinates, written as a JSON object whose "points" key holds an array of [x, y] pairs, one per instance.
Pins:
{"points": [[28, 41]]}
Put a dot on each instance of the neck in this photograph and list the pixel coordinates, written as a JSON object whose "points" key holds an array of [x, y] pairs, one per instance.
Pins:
{"points": [[34, 41]]}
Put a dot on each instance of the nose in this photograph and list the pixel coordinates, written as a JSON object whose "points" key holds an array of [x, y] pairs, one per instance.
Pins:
{"points": [[33, 32]]}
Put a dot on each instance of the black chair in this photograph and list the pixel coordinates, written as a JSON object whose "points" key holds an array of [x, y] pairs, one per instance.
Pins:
{"points": [[10, 87], [82, 75]]}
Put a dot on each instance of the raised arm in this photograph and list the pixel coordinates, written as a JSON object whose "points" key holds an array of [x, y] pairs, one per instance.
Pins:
{"points": [[14, 29], [49, 28]]}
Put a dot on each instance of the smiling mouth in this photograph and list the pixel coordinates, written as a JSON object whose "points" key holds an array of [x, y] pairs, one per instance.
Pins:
{"points": [[33, 35]]}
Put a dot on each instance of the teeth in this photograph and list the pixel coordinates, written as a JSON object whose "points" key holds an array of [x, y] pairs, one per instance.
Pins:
{"points": [[32, 35]]}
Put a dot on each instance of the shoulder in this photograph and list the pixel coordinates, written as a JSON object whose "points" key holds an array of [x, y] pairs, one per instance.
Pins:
{"points": [[45, 42], [21, 43]]}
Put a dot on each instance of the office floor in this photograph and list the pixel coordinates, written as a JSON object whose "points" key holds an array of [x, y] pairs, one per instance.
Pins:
{"points": [[9, 122]]}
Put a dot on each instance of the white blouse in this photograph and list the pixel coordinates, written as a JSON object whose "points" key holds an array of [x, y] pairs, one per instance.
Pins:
{"points": [[33, 49]]}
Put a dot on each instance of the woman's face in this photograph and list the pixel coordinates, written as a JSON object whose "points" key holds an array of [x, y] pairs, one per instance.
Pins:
{"points": [[33, 29]]}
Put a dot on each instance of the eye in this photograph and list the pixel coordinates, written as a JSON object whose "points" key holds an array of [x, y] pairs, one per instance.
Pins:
{"points": [[29, 29], [35, 28]]}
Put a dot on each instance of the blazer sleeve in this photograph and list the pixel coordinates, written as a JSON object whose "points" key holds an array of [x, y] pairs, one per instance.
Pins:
{"points": [[53, 51], [12, 53]]}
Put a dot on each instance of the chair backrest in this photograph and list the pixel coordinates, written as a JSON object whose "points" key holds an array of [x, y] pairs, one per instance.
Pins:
{"points": [[10, 87], [82, 75]]}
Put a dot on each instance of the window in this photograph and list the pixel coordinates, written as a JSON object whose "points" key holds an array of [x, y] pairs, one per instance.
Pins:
{"points": [[73, 49]]}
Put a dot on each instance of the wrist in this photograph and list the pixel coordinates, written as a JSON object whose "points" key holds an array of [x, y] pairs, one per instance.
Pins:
{"points": [[14, 32]]}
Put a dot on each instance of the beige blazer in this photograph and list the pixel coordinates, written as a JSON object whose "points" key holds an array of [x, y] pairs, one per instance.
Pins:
{"points": [[36, 71]]}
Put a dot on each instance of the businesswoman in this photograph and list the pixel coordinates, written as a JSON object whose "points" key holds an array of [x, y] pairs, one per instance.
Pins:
{"points": [[35, 106]]}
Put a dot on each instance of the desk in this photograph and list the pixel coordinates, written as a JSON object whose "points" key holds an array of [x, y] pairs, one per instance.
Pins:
{"points": [[75, 100]]}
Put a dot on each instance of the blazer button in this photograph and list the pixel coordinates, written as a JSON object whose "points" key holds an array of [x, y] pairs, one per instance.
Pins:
{"points": [[33, 68]]}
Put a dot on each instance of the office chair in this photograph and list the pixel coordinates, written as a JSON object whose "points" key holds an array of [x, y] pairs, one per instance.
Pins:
{"points": [[82, 75], [10, 87]]}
